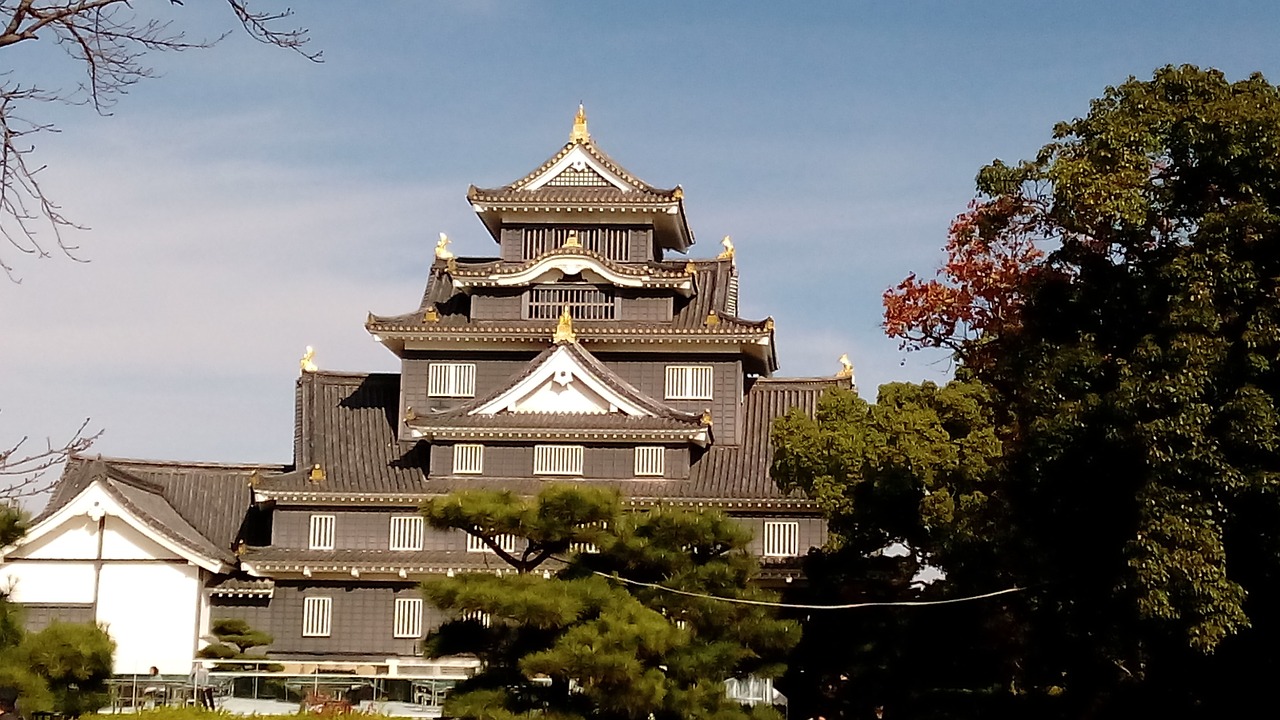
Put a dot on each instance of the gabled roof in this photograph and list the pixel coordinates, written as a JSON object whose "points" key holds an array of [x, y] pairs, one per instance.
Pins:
{"points": [[581, 177], [590, 402], [196, 507]]}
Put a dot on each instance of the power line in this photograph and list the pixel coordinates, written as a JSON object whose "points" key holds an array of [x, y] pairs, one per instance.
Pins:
{"points": [[798, 606]]}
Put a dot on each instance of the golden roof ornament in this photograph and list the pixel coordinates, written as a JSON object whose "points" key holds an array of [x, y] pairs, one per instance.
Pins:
{"points": [[564, 329], [317, 473], [572, 240], [409, 414], [706, 418], [255, 477], [713, 318], [431, 315], [306, 363], [690, 268], [727, 253], [678, 193], [846, 368], [768, 324], [442, 248], [580, 134]]}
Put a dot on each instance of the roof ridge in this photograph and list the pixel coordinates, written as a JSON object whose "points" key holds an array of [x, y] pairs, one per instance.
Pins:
{"points": [[175, 464]]}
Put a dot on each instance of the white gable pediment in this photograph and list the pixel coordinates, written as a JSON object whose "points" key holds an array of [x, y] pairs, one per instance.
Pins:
{"points": [[561, 385], [72, 532], [580, 165]]}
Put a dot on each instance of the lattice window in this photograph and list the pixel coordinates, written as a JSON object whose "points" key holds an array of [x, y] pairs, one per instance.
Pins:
{"points": [[781, 539], [572, 177], [317, 613], [557, 460], [468, 459], [407, 532], [689, 382], [585, 302], [408, 618], [731, 297], [321, 536], [451, 380], [508, 543], [650, 461], [613, 243]]}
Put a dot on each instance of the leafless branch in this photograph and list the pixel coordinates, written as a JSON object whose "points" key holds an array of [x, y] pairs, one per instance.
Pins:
{"points": [[110, 41], [24, 472]]}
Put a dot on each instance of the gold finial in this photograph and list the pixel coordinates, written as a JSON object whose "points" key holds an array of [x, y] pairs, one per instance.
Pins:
{"points": [[409, 414], [317, 473], [255, 477], [431, 315], [727, 253], [706, 418], [713, 318], [306, 362], [690, 268], [572, 240], [580, 134], [442, 248], [240, 548], [846, 368], [678, 193], [768, 324], [564, 329], [451, 265]]}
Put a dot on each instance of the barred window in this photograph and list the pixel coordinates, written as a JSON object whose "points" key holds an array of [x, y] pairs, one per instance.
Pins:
{"points": [[479, 616], [585, 302], [408, 618], [781, 539], [321, 537], [611, 242], [557, 460], [468, 459], [689, 382], [650, 461], [451, 379], [316, 615], [508, 543], [573, 177], [406, 532]]}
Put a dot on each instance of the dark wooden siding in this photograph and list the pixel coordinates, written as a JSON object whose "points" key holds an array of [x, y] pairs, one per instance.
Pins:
{"points": [[497, 304], [361, 620], [510, 245], [649, 376], [813, 531], [37, 617], [355, 530], [642, 247], [598, 461], [493, 371], [643, 308]]}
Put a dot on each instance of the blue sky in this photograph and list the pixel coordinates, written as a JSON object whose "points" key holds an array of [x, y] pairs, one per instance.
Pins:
{"points": [[247, 203]]}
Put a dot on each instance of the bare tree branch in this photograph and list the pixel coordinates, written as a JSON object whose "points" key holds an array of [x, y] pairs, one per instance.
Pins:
{"points": [[24, 472], [110, 41]]}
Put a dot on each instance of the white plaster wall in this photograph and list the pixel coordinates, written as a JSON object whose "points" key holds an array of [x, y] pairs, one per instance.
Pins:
{"points": [[151, 610], [44, 582], [122, 541], [76, 538]]}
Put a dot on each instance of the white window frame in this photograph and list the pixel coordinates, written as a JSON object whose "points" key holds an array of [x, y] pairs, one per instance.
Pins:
{"points": [[407, 532], [508, 543], [317, 616], [322, 532], [781, 538], [690, 382], [479, 616], [468, 459], [557, 459], [451, 379], [651, 461], [407, 622]]}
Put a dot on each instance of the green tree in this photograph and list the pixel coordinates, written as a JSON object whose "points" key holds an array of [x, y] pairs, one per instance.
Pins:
{"points": [[576, 644], [237, 640], [1133, 374], [75, 661]]}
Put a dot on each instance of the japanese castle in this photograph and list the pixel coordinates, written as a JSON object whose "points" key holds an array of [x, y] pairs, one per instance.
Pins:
{"points": [[588, 349]]}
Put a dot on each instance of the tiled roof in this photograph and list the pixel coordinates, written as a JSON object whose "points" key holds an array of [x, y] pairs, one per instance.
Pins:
{"points": [[242, 586], [591, 148], [553, 195], [348, 427], [267, 559], [198, 506]]}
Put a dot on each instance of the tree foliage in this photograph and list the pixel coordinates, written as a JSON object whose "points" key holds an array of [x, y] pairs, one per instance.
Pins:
{"points": [[1117, 300], [75, 661], [576, 643]]}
